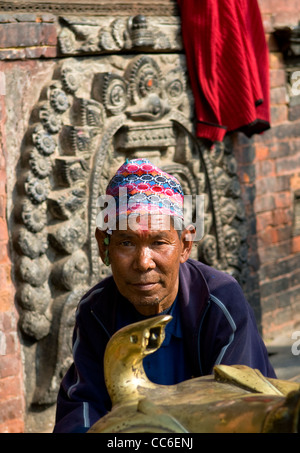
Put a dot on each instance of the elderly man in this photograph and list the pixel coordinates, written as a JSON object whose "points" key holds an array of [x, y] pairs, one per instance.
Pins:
{"points": [[152, 274]]}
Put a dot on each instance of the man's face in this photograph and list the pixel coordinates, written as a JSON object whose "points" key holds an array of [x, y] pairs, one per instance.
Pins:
{"points": [[145, 264]]}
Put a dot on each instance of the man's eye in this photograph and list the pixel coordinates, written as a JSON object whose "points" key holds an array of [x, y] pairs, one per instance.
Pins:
{"points": [[126, 243]]}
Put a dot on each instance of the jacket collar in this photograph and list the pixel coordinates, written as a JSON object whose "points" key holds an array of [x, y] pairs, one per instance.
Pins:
{"points": [[193, 296], [104, 307]]}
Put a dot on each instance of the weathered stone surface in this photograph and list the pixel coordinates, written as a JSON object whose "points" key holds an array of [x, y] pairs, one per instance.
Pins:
{"points": [[27, 34]]}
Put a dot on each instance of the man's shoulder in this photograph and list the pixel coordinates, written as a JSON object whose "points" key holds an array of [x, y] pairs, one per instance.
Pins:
{"points": [[92, 295], [209, 272], [215, 279], [224, 291]]}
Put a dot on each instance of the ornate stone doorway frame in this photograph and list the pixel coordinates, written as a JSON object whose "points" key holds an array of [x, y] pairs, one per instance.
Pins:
{"points": [[120, 91]]}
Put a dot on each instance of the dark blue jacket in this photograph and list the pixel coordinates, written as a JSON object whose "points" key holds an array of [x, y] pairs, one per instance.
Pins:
{"points": [[218, 326]]}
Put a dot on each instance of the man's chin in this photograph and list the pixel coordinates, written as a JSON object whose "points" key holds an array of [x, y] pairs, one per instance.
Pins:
{"points": [[149, 305], [145, 302]]}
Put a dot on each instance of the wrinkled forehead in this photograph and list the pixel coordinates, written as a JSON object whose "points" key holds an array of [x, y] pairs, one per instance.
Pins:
{"points": [[145, 222]]}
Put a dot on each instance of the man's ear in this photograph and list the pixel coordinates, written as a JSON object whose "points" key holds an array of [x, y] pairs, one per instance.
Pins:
{"points": [[187, 239], [100, 237]]}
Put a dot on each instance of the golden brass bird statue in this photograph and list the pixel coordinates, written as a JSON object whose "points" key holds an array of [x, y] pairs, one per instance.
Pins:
{"points": [[235, 399]]}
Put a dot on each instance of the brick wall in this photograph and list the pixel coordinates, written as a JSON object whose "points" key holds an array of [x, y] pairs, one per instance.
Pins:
{"points": [[24, 39], [269, 167], [11, 379]]}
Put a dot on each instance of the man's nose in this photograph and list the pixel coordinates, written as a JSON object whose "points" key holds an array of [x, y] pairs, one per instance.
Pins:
{"points": [[144, 259]]}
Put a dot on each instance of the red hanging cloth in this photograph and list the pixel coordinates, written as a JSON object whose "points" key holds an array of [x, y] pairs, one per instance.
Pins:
{"points": [[228, 66]]}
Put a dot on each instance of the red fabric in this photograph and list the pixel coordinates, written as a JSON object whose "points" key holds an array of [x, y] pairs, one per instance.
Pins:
{"points": [[227, 62]]}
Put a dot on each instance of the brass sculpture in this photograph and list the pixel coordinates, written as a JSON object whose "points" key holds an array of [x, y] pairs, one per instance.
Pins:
{"points": [[236, 399]]}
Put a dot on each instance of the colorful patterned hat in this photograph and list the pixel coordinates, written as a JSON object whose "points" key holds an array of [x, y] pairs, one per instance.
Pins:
{"points": [[142, 188]]}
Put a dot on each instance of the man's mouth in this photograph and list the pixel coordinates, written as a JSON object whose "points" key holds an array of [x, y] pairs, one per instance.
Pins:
{"points": [[145, 286]]}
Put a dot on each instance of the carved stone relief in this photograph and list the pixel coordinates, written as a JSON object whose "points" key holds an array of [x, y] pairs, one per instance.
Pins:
{"points": [[92, 7], [89, 119], [102, 35]]}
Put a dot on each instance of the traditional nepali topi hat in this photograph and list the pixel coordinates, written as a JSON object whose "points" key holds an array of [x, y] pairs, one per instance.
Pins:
{"points": [[142, 188]]}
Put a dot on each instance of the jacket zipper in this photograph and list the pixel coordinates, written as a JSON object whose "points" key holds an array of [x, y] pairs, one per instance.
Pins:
{"points": [[101, 324], [199, 333]]}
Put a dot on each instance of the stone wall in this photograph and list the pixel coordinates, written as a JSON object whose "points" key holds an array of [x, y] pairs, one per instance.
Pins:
{"points": [[24, 38], [268, 169], [11, 374]]}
